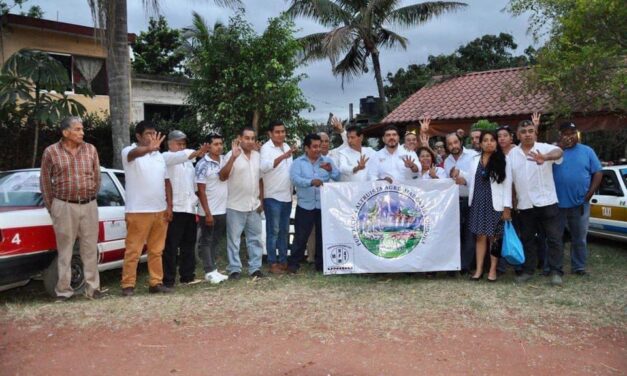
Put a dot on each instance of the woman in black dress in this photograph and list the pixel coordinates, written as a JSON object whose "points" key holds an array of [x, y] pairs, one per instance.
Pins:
{"points": [[490, 199]]}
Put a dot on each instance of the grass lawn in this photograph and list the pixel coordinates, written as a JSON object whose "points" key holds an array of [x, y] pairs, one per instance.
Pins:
{"points": [[332, 306]]}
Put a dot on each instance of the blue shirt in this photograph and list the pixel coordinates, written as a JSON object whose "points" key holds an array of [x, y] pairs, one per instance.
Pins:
{"points": [[573, 176], [303, 172]]}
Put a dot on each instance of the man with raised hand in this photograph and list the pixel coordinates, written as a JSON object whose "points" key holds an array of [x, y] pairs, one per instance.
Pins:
{"points": [[148, 207], [276, 160], [353, 160], [392, 163], [244, 203]]}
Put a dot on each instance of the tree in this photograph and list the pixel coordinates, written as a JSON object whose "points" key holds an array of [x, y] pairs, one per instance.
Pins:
{"points": [[582, 65], [359, 32], [158, 50], [484, 53], [243, 78], [34, 11], [111, 17], [30, 84]]}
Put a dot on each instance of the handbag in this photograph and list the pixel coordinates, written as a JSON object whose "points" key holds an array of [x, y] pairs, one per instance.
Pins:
{"points": [[512, 249]]}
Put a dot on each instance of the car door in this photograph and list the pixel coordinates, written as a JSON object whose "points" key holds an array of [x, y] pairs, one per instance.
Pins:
{"points": [[112, 224], [608, 209]]}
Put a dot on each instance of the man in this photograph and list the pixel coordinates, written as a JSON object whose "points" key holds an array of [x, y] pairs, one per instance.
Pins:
{"points": [[326, 141], [475, 136], [532, 174], [276, 160], [440, 153], [576, 180], [353, 160], [243, 205], [456, 165], [308, 173], [181, 235], [69, 181], [392, 163], [148, 207], [212, 196]]}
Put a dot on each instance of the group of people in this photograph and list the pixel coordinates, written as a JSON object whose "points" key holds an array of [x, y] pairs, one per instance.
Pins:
{"points": [[181, 197]]}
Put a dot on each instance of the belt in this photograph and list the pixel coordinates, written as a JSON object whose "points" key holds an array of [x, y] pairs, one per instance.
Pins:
{"points": [[80, 201]]}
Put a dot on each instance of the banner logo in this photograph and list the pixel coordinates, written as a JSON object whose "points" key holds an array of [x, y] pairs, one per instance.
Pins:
{"points": [[389, 221]]}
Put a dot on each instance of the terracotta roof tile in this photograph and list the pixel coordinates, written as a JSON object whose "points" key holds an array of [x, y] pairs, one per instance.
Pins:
{"points": [[476, 94]]}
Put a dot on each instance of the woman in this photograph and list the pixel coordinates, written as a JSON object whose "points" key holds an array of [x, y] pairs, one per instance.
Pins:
{"points": [[428, 169], [490, 199], [505, 138], [411, 141]]}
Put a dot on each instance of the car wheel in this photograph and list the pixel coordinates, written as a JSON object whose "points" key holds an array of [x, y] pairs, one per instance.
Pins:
{"points": [[51, 276]]}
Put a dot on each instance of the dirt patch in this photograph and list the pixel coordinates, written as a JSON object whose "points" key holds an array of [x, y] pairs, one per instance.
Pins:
{"points": [[168, 348]]}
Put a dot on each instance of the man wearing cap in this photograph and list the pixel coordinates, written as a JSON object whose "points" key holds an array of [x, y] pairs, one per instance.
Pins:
{"points": [[576, 180], [69, 181], [180, 241]]}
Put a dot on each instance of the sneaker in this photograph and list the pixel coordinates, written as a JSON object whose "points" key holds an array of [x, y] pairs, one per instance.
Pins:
{"points": [[235, 276], [213, 278], [556, 280], [160, 288], [524, 277], [220, 275], [128, 291], [257, 274]]}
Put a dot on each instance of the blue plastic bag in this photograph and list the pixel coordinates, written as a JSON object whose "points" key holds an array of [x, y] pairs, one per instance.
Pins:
{"points": [[512, 249]]}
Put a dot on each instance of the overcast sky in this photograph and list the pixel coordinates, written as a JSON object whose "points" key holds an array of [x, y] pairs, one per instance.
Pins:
{"points": [[440, 35]]}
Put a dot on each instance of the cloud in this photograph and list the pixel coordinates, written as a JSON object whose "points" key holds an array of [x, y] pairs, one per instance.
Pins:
{"points": [[441, 35]]}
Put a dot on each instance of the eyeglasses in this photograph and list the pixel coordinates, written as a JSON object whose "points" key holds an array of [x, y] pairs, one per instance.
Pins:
{"points": [[439, 146]]}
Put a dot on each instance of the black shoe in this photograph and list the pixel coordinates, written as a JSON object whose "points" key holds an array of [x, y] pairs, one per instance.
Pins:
{"points": [[97, 294], [463, 272], [292, 269], [257, 274], [581, 273], [160, 289], [128, 291], [234, 276]]}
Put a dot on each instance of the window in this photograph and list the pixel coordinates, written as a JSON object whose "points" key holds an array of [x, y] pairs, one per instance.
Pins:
{"points": [[121, 178], [609, 184], [20, 188], [109, 195], [66, 61]]}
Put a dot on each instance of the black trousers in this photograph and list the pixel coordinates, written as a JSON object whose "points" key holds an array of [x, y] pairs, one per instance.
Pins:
{"points": [[533, 221], [180, 244], [467, 243], [304, 222]]}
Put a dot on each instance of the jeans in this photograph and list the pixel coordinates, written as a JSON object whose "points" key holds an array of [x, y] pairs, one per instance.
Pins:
{"points": [[209, 239], [249, 223], [180, 244], [577, 221], [467, 238], [277, 229], [304, 222], [532, 221]]}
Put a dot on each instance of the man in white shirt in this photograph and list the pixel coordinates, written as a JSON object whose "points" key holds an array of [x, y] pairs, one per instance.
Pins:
{"points": [[180, 241], [392, 163], [353, 160], [148, 207], [532, 173], [243, 205], [326, 141], [212, 196], [456, 164], [276, 159]]}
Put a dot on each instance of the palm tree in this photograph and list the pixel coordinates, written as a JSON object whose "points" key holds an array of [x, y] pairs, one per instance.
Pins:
{"points": [[359, 30], [110, 16]]}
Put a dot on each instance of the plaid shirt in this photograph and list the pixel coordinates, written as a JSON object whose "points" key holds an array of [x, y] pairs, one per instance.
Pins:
{"points": [[69, 177]]}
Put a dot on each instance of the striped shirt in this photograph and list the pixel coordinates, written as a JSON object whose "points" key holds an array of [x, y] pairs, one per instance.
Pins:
{"points": [[68, 176]]}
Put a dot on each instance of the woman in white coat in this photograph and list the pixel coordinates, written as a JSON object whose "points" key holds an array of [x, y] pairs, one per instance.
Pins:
{"points": [[490, 199]]}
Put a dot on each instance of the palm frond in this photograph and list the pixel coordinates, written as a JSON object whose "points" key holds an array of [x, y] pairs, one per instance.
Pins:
{"points": [[389, 39], [353, 64], [313, 47], [327, 12], [417, 14], [378, 9], [337, 41]]}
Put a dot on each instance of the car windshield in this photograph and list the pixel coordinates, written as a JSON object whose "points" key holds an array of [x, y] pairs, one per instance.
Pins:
{"points": [[623, 175], [20, 188]]}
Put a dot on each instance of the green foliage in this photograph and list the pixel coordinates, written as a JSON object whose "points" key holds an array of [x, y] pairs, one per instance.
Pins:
{"points": [[485, 53], [34, 11], [158, 50], [242, 78], [32, 92], [484, 125], [582, 66]]}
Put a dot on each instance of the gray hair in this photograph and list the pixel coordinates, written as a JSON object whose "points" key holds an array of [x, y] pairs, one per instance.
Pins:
{"points": [[67, 122]]}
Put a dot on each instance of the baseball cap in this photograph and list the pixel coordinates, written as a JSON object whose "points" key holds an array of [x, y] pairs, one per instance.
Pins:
{"points": [[566, 126], [176, 135]]}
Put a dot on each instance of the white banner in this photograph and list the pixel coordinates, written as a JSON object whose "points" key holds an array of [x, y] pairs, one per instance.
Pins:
{"points": [[377, 227]]}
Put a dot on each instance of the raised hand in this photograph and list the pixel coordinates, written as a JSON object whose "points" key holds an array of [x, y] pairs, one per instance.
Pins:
{"points": [[155, 141], [409, 162], [536, 156], [424, 139], [337, 125], [433, 173], [361, 163], [235, 148], [424, 124], [535, 119], [204, 149]]}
